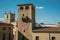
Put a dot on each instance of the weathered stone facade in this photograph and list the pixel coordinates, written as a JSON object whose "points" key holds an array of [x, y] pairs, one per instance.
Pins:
{"points": [[26, 20], [24, 27], [6, 31]]}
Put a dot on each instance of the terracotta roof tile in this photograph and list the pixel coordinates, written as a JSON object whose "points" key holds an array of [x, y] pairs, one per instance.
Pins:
{"points": [[47, 29], [3, 23]]}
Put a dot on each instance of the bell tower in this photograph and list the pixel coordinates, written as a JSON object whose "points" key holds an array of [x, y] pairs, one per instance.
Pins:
{"points": [[9, 17], [26, 20]]}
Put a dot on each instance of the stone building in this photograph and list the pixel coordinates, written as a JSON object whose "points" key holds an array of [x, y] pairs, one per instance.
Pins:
{"points": [[6, 31], [26, 26], [10, 19], [8, 28]]}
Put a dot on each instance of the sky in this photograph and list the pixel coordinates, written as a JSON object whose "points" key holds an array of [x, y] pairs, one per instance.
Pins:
{"points": [[46, 11]]}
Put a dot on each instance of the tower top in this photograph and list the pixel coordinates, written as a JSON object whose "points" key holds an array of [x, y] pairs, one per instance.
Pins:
{"points": [[9, 17], [25, 4], [10, 13]]}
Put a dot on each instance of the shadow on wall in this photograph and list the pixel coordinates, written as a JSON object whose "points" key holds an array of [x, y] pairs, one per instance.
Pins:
{"points": [[21, 36], [26, 19]]}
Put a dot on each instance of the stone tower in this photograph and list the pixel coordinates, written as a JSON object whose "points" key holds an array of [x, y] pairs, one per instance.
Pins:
{"points": [[9, 17], [26, 21]]}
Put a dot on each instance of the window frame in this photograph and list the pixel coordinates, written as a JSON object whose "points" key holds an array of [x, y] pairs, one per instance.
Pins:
{"points": [[37, 38], [53, 38]]}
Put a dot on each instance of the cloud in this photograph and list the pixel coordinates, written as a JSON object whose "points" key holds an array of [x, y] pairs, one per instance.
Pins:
{"points": [[40, 7], [41, 21], [1, 19]]}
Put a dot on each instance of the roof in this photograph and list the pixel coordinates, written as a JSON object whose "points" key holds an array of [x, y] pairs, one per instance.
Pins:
{"points": [[24, 4], [47, 30], [3, 23], [10, 13], [49, 25]]}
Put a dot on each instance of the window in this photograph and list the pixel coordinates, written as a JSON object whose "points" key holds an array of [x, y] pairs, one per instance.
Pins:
{"points": [[37, 37], [21, 7], [9, 36], [7, 16], [24, 30], [27, 7], [23, 14], [9, 28], [53, 38], [3, 36], [4, 28]]}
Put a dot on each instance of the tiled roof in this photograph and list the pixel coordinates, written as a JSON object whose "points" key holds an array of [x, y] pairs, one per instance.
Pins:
{"points": [[47, 29], [3, 23]]}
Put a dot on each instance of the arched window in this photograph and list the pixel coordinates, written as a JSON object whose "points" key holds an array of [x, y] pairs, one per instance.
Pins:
{"points": [[27, 7], [21, 8]]}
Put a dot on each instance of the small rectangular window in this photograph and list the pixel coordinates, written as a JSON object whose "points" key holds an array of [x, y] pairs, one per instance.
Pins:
{"points": [[53, 38], [37, 37], [7, 16]]}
